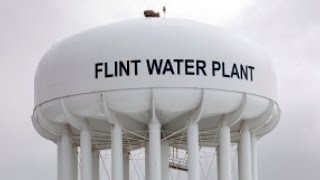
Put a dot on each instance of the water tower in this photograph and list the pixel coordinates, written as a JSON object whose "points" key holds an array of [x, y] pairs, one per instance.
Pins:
{"points": [[142, 84]]}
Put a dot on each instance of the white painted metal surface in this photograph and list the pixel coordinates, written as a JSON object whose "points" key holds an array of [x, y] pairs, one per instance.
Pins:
{"points": [[154, 150], [224, 152], [67, 169], [193, 152], [126, 165], [146, 160], [245, 153], [59, 165], [75, 162], [144, 39], [95, 165], [86, 153], [112, 84], [117, 152], [254, 156]]}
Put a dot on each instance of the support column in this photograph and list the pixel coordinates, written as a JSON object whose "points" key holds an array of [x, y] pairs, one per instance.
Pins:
{"points": [[59, 160], [75, 162], [217, 162], [146, 159], [95, 165], [126, 165], [224, 160], [85, 153], [117, 152], [254, 161], [66, 156], [165, 161], [154, 151], [244, 151], [193, 152]]}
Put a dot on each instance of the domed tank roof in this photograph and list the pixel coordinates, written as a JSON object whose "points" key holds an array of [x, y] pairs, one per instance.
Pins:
{"points": [[153, 52]]}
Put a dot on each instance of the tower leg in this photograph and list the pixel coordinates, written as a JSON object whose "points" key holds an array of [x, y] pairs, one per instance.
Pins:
{"points": [[224, 160], [193, 152], [117, 152], [59, 160], [146, 147], [85, 153], [126, 165], [95, 165], [244, 151], [75, 162], [66, 156], [254, 162], [154, 151]]}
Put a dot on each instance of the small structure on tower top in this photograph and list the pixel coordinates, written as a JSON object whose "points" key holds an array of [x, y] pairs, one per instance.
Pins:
{"points": [[151, 13]]}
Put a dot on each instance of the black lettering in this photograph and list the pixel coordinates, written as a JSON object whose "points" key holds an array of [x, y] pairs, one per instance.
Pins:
{"points": [[154, 66], [116, 68], [244, 72], [201, 65], [251, 72], [235, 71], [223, 71], [135, 62], [168, 67], [178, 61], [124, 68], [216, 66], [189, 66], [97, 69], [106, 75]]}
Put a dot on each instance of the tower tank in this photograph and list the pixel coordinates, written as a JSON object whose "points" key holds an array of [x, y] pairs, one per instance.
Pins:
{"points": [[154, 83]]}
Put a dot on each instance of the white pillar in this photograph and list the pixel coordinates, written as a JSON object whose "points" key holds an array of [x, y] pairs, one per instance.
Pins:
{"points": [[117, 152], [224, 160], [146, 159], [59, 160], [254, 161], [75, 162], [154, 151], [165, 161], [126, 165], [218, 161], [244, 150], [193, 152], [66, 156], [85, 153], [95, 165]]}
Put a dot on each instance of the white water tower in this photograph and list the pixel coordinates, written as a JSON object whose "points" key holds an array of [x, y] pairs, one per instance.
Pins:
{"points": [[154, 80]]}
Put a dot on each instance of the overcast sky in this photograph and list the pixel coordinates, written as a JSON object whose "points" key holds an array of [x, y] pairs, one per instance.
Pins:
{"points": [[288, 29]]}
